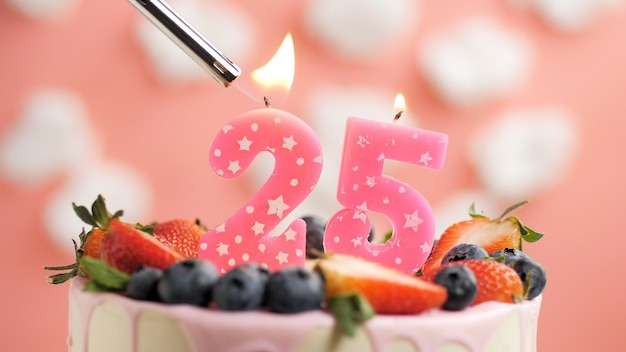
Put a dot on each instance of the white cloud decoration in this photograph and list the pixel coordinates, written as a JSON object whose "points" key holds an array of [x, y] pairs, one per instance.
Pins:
{"points": [[570, 15], [524, 151], [227, 27], [52, 135], [43, 9], [359, 29], [475, 61]]}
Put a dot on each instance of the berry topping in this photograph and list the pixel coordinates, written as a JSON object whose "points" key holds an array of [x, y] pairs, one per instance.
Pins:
{"points": [[461, 285], [181, 234], [142, 284], [491, 234], [188, 282], [242, 288], [294, 289], [464, 251], [509, 255], [315, 228], [126, 248], [532, 274], [496, 281], [388, 291]]}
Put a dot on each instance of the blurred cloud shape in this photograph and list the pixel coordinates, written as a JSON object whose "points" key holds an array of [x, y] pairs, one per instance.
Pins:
{"points": [[475, 61], [569, 15], [43, 9], [524, 151], [52, 135], [359, 29]]}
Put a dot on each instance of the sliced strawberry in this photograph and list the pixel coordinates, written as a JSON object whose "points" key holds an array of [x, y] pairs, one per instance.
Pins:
{"points": [[388, 291], [496, 281], [181, 234], [126, 248], [491, 234]]}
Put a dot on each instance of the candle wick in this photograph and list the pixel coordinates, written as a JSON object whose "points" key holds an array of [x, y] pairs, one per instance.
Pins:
{"points": [[395, 118], [267, 102]]}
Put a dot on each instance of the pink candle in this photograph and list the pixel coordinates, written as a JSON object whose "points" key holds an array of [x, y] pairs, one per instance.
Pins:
{"points": [[363, 187], [243, 237]]}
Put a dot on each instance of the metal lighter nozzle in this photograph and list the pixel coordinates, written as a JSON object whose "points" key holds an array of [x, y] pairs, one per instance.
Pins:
{"points": [[189, 40]]}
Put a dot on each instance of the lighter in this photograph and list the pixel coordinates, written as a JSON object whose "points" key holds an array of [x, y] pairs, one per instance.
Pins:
{"points": [[189, 40]]}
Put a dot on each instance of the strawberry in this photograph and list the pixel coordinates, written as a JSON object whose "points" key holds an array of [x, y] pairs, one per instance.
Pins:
{"points": [[125, 248], [491, 234], [387, 290], [99, 218], [181, 234], [496, 281], [91, 246]]}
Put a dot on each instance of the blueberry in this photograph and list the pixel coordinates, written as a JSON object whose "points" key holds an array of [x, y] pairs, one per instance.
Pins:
{"points": [[142, 284], [370, 235], [315, 228], [510, 254], [189, 282], [294, 289], [464, 251], [532, 274], [460, 282], [242, 288]]}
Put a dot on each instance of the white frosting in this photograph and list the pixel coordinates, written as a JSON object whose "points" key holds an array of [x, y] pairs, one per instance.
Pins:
{"points": [[111, 322]]}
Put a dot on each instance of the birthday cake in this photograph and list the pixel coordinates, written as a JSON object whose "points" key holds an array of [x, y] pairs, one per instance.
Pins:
{"points": [[141, 288]]}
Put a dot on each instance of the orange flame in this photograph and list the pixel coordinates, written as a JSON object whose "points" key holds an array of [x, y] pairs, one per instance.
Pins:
{"points": [[399, 105], [280, 69]]}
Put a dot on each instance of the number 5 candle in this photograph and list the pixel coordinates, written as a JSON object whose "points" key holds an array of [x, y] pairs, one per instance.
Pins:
{"points": [[363, 187]]}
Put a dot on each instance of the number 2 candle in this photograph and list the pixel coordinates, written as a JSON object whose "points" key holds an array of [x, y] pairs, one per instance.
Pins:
{"points": [[363, 187], [246, 235]]}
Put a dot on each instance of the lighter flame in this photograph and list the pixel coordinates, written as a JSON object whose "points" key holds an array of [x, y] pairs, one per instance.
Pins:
{"points": [[279, 71], [399, 104]]}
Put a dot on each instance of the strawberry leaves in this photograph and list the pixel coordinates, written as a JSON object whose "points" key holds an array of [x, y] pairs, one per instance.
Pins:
{"points": [[349, 311], [104, 278], [99, 217]]}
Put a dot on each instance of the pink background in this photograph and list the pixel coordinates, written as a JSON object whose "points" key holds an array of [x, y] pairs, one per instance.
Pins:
{"points": [[165, 132]]}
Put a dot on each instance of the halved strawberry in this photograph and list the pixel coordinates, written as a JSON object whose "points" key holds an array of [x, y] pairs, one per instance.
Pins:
{"points": [[388, 291], [125, 248], [491, 234], [495, 281], [181, 234]]}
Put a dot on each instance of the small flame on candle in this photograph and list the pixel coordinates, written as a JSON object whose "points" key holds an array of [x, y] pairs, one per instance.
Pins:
{"points": [[279, 71], [399, 104]]}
